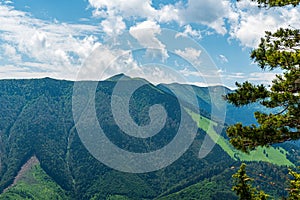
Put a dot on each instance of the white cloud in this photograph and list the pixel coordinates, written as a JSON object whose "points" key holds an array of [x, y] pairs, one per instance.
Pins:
{"points": [[10, 53], [12, 72], [252, 22], [187, 72], [157, 74], [262, 77], [254, 77], [7, 2], [113, 25], [211, 13], [62, 45], [203, 84], [190, 54], [105, 62], [202, 67], [212, 77], [146, 32], [99, 64], [168, 13], [6, 68], [189, 31], [60, 48], [125, 8], [234, 76], [223, 59], [245, 21]]}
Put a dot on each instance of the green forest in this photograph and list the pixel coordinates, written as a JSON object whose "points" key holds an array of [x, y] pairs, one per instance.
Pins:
{"points": [[37, 121]]}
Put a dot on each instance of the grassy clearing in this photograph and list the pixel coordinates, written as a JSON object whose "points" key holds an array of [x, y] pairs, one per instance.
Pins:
{"points": [[35, 184], [273, 155]]}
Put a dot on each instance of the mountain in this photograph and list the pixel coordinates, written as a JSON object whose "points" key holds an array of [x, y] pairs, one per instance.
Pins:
{"points": [[244, 114], [37, 121]]}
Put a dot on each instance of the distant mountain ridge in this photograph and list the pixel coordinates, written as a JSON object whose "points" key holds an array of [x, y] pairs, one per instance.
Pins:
{"points": [[36, 120]]}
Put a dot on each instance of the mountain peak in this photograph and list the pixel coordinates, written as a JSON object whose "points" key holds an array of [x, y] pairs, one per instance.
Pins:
{"points": [[118, 77]]}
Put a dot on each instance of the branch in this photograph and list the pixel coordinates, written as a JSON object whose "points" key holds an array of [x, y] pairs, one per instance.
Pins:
{"points": [[286, 107]]}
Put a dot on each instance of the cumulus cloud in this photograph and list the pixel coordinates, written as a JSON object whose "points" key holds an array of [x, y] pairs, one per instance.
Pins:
{"points": [[190, 54], [105, 62], [10, 53], [56, 44], [168, 13], [189, 31], [113, 25], [58, 49], [250, 22], [245, 21], [126, 8], [146, 33], [211, 13], [194, 11]]}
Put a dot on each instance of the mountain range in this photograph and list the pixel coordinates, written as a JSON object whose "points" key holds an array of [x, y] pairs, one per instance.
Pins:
{"points": [[43, 156]]}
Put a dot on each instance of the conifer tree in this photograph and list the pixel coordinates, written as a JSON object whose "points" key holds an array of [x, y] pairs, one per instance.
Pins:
{"points": [[278, 50], [243, 187], [294, 189]]}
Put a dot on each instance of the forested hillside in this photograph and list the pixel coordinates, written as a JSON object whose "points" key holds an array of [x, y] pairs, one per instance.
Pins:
{"points": [[36, 120]]}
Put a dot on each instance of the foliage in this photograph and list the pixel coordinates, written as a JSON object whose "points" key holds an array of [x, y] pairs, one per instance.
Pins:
{"points": [[273, 155], [275, 3], [35, 184], [276, 50], [37, 120], [294, 189], [243, 187], [208, 189]]}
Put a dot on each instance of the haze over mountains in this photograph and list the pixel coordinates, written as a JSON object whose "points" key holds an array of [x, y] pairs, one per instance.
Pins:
{"points": [[37, 122]]}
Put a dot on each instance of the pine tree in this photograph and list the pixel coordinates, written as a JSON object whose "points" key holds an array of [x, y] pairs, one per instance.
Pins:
{"points": [[294, 189], [276, 50], [243, 187]]}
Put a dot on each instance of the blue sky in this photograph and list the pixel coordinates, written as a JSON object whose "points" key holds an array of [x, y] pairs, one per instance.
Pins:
{"points": [[56, 38]]}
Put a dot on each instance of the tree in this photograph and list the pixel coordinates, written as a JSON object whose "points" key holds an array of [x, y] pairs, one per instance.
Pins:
{"points": [[276, 50], [294, 189], [243, 187]]}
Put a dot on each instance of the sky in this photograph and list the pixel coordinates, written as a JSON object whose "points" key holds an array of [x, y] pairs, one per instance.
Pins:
{"points": [[190, 41]]}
